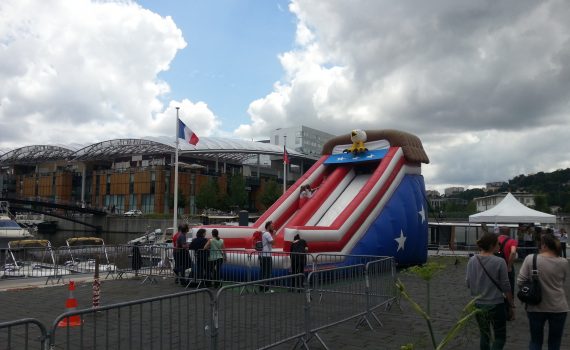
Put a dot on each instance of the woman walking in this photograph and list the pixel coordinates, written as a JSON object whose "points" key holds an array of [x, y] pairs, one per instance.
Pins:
{"points": [[552, 273], [216, 258], [488, 280]]}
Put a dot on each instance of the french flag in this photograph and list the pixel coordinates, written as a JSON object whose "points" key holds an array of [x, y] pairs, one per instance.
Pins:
{"points": [[285, 156], [186, 133]]}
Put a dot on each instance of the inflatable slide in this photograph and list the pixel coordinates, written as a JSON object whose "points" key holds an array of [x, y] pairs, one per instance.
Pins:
{"points": [[369, 199]]}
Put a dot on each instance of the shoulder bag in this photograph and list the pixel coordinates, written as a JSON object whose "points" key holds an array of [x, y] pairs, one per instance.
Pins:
{"points": [[530, 291]]}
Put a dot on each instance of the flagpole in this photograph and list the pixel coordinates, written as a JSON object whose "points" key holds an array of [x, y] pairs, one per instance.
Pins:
{"points": [[284, 165], [175, 216]]}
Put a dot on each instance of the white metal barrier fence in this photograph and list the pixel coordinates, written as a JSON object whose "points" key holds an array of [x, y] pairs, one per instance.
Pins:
{"points": [[274, 311]]}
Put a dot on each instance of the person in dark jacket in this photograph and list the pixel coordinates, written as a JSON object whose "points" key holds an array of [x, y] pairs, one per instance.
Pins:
{"points": [[136, 262], [181, 255], [197, 245], [298, 259]]}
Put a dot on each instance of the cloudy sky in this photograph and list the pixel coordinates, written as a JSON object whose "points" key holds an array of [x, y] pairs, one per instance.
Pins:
{"points": [[484, 84]]}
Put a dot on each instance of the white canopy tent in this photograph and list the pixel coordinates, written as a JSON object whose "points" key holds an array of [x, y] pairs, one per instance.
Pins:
{"points": [[510, 210]]}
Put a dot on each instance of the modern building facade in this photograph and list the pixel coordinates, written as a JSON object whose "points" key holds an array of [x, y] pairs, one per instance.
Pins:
{"points": [[125, 174], [302, 139]]}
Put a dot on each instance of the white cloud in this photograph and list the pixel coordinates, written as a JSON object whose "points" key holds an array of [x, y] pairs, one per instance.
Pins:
{"points": [[87, 66], [485, 84], [197, 116]]}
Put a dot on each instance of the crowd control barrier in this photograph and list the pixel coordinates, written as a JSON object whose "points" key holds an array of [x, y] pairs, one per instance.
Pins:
{"points": [[175, 321], [23, 334], [250, 314]]}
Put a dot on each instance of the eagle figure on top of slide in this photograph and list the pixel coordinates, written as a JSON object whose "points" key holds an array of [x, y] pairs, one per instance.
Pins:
{"points": [[358, 137]]}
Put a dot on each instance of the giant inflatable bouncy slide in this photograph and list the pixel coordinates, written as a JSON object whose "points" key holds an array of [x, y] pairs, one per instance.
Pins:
{"points": [[369, 199]]}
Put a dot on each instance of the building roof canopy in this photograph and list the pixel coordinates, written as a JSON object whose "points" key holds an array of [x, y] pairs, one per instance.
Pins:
{"points": [[210, 147], [37, 153]]}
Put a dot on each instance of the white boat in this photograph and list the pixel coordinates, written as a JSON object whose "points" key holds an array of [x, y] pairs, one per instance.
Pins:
{"points": [[83, 252], [29, 219], [150, 237], [9, 228], [31, 258]]}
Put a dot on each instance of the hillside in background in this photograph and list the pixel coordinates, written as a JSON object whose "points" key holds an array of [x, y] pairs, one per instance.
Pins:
{"points": [[551, 190], [554, 186]]}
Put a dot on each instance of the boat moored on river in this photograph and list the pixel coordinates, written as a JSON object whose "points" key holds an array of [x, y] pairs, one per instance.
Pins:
{"points": [[31, 258]]}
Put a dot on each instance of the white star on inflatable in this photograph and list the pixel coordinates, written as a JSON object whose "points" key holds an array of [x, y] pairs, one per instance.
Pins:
{"points": [[422, 214], [356, 157], [401, 241], [340, 158], [370, 156]]}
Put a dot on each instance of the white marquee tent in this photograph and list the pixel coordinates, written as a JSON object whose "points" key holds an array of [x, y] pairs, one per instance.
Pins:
{"points": [[510, 210]]}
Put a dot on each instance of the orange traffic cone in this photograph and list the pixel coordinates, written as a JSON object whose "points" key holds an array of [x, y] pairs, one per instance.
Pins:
{"points": [[70, 305]]}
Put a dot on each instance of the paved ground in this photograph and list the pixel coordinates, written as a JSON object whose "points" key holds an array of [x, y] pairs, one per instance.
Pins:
{"points": [[248, 320]]}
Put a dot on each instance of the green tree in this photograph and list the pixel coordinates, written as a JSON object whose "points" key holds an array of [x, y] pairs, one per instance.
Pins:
{"points": [[207, 196], [471, 208], [271, 193], [238, 194], [182, 200], [224, 201], [541, 204]]}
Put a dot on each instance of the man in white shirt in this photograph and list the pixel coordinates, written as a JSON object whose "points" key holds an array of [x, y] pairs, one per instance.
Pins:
{"points": [[265, 260]]}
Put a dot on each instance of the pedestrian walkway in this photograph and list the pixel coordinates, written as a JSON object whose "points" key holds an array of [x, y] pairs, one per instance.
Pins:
{"points": [[26, 298]]}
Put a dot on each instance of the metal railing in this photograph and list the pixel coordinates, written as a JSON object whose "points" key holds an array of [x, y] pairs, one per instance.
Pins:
{"points": [[270, 316], [23, 334], [175, 321], [287, 307]]}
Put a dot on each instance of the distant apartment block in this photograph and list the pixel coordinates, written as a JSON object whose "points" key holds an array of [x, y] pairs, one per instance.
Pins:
{"points": [[488, 202], [301, 138], [305, 140], [433, 193], [450, 191], [494, 186], [438, 203]]}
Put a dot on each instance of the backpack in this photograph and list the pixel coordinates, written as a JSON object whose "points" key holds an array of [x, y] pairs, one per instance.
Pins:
{"points": [[501, 252], [257, 239]]}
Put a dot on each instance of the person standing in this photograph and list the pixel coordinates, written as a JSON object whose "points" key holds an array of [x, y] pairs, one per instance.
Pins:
{"points": [[487, 280], [299, 250], [181, 255], [197, 245], [216, 257], [563, 241], [136, 262], [174, 253], [265, 260], [536, 239], [508, 251], [552, 273], [528, 241]]}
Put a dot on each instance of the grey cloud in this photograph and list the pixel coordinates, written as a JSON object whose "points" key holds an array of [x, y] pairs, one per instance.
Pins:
{"points": [[435, 68]]}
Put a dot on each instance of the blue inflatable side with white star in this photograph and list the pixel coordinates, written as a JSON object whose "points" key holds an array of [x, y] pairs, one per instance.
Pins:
{"points": [[401, 229]]}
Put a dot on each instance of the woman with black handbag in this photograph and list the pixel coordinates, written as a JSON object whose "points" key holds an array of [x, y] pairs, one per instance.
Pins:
{"points": [[488, 280], [553, 307]]}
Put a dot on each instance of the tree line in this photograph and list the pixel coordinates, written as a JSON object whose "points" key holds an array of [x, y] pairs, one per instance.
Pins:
{"points": [[550, 190], [234, 197]]}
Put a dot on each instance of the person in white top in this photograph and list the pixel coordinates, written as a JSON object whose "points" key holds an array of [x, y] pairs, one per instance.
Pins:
{"points": [[265, 260]]}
